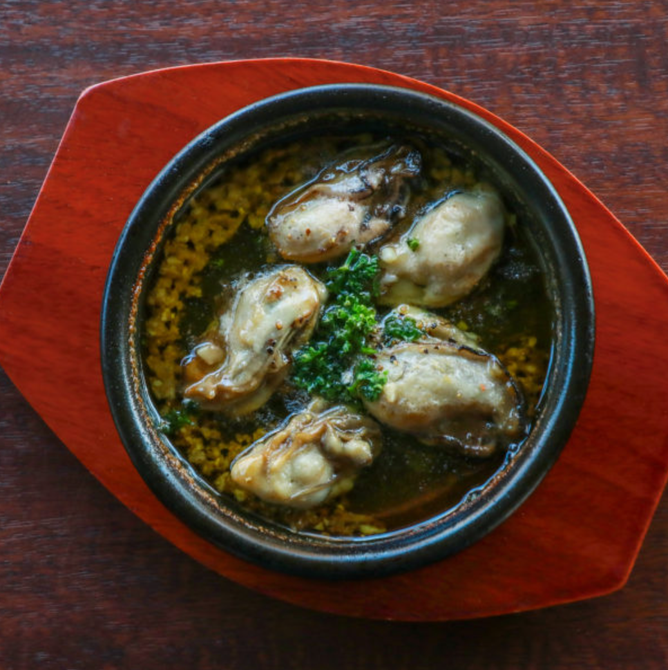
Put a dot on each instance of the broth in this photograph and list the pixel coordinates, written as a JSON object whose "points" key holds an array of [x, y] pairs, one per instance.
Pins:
{"points": [[220, 235]]}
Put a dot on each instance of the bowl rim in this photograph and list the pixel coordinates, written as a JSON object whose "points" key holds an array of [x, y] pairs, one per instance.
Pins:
{"points": [[189, 497]]}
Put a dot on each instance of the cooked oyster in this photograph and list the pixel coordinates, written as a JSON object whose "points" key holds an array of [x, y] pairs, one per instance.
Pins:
{"points": [[355, 201], [315, 456], [243, 363], [446, 252], [447, 393]]}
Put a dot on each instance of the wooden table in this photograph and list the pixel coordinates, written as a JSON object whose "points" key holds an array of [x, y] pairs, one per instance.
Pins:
{"points": [[83, 582]]}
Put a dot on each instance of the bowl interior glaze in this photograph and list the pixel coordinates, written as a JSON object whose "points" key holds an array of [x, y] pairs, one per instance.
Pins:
{"points": [[309, 111]]}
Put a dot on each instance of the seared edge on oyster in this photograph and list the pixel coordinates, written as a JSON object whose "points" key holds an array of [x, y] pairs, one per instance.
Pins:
{"points": [[313, 457], [446, 252], [354, 201], [240, 365]]}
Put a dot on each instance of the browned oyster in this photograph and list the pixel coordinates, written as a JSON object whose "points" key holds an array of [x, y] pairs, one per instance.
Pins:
{"points": [[446, 392], [315, 456], [241, 365], [446, 252], [355, 201]]}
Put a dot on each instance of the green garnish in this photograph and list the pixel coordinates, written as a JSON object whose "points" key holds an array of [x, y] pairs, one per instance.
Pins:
{"points": [[176, 419], [368, 380], [339, 344], [413, 243], [357, 277], [401, 328]]}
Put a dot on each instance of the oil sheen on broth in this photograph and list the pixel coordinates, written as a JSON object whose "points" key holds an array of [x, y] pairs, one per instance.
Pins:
{"points": [[223, 241]]}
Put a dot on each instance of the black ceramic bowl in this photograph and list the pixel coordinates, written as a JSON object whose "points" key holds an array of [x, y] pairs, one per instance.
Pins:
{"points": [[314, 110]]}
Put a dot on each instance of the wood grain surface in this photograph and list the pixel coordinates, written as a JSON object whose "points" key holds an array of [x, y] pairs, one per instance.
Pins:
{"points": [[82, 582]]}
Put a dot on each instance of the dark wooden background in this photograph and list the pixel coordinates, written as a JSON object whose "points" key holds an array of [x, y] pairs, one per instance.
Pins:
{"points": [[83, 582]]}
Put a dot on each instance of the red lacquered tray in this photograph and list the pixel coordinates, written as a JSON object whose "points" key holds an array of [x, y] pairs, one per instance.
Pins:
{"points": [[578, 534]]}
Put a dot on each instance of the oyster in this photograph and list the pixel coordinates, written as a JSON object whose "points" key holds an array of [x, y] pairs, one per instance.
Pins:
{"points": [[239, 366], [449, 393], [433, 326], [446, 252], [313, 457], [355, 201]]}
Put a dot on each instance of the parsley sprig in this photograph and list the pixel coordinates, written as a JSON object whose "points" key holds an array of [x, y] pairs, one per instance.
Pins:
{"points": [[403, 328], [336, 364]]}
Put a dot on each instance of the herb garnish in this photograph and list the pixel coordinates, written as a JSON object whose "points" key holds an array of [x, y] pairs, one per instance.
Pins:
{"points": [[413, 243], [176, 419], [368, 382], [339, 344], [401, 328]]}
